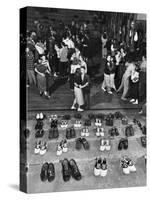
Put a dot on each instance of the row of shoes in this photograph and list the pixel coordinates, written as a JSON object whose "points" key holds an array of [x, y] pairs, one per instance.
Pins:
{"points": [[113, 132], [123, 144], [100, 168], [70, 168], [39, 116], [53, 133], [70, 133], [85, 132], [129, 131], [105, 145], [62, 147], [127, 165], [82, 142], [40, 148], [47, 172]]}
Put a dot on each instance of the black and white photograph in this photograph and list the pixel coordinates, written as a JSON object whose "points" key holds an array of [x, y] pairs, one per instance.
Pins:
{"points": [[82, 99]]}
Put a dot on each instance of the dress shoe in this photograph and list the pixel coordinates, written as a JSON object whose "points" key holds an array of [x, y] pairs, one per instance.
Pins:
{"points": [[44, 171], [85, 144], [66, 170], [104, 169], [78, 144], [97, 167], [54, 123], [51, 172], [75, 170]]}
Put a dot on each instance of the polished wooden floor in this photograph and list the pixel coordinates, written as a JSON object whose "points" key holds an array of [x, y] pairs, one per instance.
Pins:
{"points": [[62, 98]]}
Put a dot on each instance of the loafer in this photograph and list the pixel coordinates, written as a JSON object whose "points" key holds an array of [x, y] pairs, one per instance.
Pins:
{"points": [[66, 170], [75, 170], [85, 143], [44, 170], [78, 143], [51, 172]]}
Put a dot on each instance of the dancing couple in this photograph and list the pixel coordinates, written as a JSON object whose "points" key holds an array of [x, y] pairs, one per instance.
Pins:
{"points": [[81, 90]]}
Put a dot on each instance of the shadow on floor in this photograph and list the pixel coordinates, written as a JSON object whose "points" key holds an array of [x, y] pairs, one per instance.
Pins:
{"points": [[14, 186]]}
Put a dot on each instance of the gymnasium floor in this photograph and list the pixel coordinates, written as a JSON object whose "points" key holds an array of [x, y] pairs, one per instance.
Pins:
{"points": [[86, 159]]}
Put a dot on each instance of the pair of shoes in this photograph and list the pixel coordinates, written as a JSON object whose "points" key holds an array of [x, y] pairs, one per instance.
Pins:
{"points": [[39, 116], [80, 142], [39, 125], [100, 168], [47, 172], [70, 133], [105, 145], [77, 124], [64, 124], [98, 122], [77, 116], [100, 132], [54, 123], [129, 131], [62, 147], [66, 117], [39, 133], [70, 168], [53, 133], [113, 132], [85, 132], [40, 148], [123, 144], [53, 117], [143, 141], [127, 165]]}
